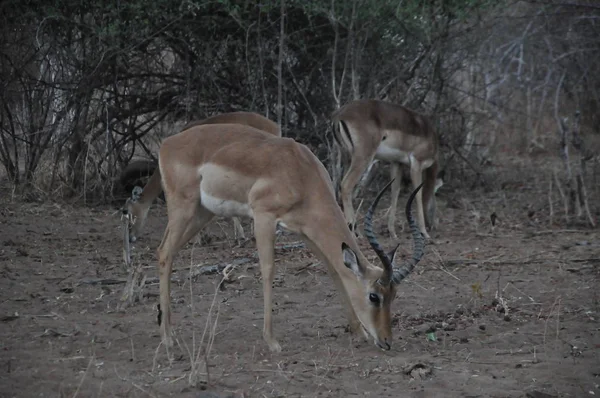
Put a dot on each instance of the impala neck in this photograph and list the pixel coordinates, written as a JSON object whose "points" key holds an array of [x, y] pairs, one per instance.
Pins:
{"points": [[327, 231]]}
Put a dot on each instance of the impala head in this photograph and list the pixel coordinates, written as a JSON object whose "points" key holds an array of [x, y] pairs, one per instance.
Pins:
{"points": [[372, 302]]}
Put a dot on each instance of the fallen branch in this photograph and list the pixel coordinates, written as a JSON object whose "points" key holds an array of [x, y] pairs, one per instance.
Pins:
{"points": [[442, 267], [591, 260], [291, 245], [305, 267], [553, 231], [199, 271], [54, 333], [103, 282]]}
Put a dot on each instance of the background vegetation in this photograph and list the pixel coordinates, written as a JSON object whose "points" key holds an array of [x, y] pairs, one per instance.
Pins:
{"points": [[87, 86]]}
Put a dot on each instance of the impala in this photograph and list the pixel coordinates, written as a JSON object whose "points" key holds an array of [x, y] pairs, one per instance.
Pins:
{"points": [[234, 170], [371, 129], [139, 204]]}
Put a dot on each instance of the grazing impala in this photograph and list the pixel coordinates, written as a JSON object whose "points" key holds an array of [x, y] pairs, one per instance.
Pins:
{"points": [[371, 129], [139, 204], [234, 170]]}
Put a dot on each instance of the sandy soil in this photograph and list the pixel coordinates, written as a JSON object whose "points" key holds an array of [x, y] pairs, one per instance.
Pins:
{"points": [[509, 311]]}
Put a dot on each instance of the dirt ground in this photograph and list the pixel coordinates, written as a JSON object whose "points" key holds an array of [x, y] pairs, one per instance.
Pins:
{"points": [[508, 311]]}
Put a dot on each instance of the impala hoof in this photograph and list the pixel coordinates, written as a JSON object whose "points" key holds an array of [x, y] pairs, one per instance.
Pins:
{"points": [[274, 346], [168, 343], [384, 345]]}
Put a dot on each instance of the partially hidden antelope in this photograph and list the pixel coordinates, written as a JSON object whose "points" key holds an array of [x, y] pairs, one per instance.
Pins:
{"points": [[234, 170], [138, 205], [370, 129]]}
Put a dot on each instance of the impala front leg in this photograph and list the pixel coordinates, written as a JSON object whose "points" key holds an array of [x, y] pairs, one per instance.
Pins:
{"points": [[264, 232]]}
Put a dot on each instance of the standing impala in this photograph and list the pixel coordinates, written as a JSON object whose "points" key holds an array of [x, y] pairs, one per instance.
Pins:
{"points": [[376, 129], [234, 170], [139, 204]]}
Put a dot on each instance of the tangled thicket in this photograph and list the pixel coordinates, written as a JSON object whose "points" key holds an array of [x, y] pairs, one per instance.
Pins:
{"points": [[86, 86]]}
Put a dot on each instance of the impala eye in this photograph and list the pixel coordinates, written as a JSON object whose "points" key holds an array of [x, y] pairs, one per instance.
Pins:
{"points": [[374, 298]]}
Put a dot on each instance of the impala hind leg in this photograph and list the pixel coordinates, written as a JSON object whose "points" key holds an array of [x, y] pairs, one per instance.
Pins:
{"points": [[358, 165], [264, 232], [416, 175], [396, 174], [432, 183], [186, 218]]}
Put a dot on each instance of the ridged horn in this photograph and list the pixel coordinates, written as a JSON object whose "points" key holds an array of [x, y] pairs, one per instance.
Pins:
{"points": [[418, 243], [388, 268]]}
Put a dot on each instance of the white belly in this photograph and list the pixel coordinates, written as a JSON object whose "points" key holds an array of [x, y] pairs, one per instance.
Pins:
{"points": [[389, 154], [224, 207]]}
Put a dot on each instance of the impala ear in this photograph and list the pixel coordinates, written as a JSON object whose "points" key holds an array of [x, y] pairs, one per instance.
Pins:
{"points": [[351, 261]]}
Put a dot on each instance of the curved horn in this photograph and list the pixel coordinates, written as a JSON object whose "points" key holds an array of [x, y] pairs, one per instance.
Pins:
{"points": [[418, 243], [388, 268]]}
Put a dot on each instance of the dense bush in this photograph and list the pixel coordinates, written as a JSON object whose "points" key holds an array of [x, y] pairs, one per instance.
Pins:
{"points": [[86, 86]]}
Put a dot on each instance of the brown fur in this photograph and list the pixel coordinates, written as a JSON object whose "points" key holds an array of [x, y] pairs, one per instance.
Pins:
{"points": [[369, 125], [209, 170], [246, 118], [429, 176], [153, 188]]}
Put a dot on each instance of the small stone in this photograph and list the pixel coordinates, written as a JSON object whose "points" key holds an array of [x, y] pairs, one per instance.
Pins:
{"points": [[415, 317], [449, 327], [424, 329]]}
